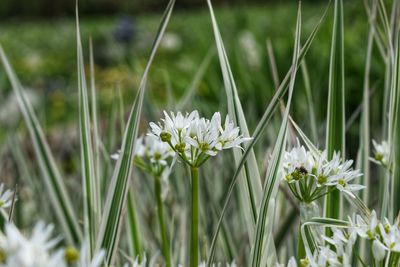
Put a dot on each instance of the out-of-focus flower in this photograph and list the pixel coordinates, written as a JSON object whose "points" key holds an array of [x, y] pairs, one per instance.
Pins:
{"points": [[171, 42], [250, 49], [17, 250], [5, 197], [381, 153]]}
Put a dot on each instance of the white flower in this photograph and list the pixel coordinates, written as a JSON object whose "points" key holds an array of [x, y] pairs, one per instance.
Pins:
{"points": [[5, 197], [250, 49], [367, 229], [297, 163], [342, 174], [390, 235], [196, 139], [311, 176], [230, 137], [381, 153], [30, 252], [153, 149], [86, 261], [171, 41], [137, 263], [378, 250], [291, 263], [152, 155], [204, 134]]}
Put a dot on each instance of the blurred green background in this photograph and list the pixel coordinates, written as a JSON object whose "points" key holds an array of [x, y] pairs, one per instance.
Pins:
{"points": [[40, 40]]}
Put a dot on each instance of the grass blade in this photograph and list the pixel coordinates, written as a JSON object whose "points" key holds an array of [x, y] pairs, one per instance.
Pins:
{"points": [[133, 228], [95, 128], [365, 117], [335, 136], [251, 187], [275, 165], [310, 102], [53, 180], [89, 180], [117, 193], [394, 136]]}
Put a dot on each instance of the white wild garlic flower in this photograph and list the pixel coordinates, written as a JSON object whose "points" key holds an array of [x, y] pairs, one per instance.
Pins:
{"points": [[39, 250], [381, 153], [311, 176], [197, 139], [5, 197], [18, 250]]}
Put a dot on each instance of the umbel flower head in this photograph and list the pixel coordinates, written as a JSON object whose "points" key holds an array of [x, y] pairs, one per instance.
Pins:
{"points": [[385, 237], [152, 155], [196, 139], [311, 175]]}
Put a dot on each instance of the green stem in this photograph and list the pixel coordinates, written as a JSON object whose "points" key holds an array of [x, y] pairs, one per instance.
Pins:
{"points": [[133, 227], [301, 251], [161, 222], [194, 233]]}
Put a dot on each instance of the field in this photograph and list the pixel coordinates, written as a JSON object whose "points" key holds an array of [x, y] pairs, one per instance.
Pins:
{"points": [[311, 171]]}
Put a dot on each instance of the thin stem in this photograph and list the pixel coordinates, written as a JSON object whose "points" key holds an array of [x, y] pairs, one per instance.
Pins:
{"points": [[301, 251], [161, 222], [134, 227], [194, 234]]}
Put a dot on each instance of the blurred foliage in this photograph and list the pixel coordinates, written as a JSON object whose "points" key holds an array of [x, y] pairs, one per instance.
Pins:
{"points": [[44, 57], [50, 8]]}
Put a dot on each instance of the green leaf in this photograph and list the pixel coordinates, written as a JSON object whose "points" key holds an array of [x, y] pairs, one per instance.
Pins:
{"points": [[95, 129], [394, 136], [335, 135], [308, 235], [89, 180], [249, 178], [116, 198], [51, 175], [275, 164]]}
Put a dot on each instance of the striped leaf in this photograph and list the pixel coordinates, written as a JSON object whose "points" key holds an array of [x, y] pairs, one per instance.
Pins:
{"points": [[249, 179], [394, 136], [89, 180], [51, 175], [274, 166], [335, 135], [111, 221]]}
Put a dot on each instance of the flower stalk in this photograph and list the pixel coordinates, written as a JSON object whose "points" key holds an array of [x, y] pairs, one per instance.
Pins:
{"points": [[194, 233], [161, 222]]}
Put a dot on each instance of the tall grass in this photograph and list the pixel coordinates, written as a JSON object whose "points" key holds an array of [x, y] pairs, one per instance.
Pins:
{"points": [[236, 210]]}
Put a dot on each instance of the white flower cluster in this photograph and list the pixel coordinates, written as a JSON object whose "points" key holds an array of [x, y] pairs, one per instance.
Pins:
{"points": [[381, 153], [196, 139], [152, 155], [37, 250], [311, 176], [338, 250], [385, 237]]}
